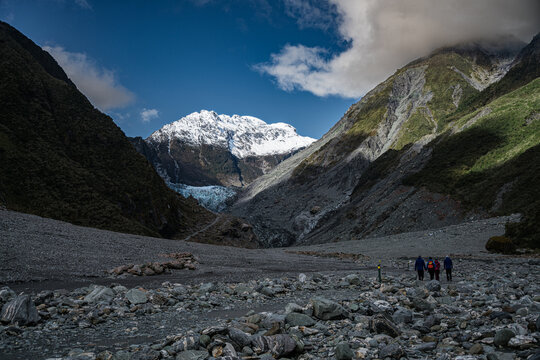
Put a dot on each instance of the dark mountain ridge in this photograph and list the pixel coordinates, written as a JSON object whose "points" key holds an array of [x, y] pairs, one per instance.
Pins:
{"points": [[62, 158]]}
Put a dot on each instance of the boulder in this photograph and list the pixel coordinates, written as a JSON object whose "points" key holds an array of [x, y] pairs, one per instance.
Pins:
{"points": [[21, 311], [502, 337], [343, 351], [297, 319], [136, 296], [381, 325], [325, 309], [353, 279], [433, 285], [239, 337], [100, 293], [278, 345], [421, 304], [402, 316], [393, 351], [6, 294], [192, 355]]}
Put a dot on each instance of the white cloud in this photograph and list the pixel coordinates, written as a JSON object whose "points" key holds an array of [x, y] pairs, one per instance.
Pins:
{"points": [[98, 84], [386, 34], [149, 114], [84, 4]]}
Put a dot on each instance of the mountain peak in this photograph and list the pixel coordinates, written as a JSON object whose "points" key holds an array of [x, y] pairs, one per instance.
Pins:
{"points": [[243, 135]]}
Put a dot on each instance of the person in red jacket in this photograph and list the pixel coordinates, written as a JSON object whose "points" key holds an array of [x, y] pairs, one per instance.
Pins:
{"points": [[437, 269]]}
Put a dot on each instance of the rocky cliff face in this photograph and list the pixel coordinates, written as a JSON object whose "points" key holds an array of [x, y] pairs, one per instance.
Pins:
{"points": [[357, 180], [210, 149]]}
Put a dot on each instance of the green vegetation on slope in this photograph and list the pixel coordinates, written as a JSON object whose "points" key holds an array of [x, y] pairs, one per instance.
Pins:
{"points": [[61, 158], [494, 161]]}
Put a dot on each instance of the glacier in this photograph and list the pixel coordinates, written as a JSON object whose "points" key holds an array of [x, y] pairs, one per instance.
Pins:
{"points": [[212, 197]]}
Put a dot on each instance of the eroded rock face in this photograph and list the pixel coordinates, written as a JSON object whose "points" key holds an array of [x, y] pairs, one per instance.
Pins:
{"points": [[20, 311]]}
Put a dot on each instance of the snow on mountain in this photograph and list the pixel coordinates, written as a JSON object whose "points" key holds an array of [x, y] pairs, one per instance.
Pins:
{"points": [[243, 136]]}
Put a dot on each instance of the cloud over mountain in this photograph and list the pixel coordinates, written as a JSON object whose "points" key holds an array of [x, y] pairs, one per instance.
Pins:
{"points": [[385, 34], [100, 85]]}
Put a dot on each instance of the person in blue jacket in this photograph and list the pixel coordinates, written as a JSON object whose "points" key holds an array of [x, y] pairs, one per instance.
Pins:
{"points": [[448, 267], [420, 266]]}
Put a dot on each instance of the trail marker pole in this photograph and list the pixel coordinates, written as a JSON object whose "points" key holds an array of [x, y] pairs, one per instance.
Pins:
{"points": [[379, 268]]}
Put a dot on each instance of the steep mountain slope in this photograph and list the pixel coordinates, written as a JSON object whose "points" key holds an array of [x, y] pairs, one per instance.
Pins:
{"points": [[210, 149], [62, 158], [349, 184]]}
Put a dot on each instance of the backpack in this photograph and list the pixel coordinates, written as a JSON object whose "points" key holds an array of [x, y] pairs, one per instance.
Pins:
{"points": [[430, 265]]}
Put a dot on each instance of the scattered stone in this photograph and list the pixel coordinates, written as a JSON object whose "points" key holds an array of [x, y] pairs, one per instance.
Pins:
{"points": [[381, 325], [433, 285], [476, 349], [98, 294], [136, 296], [278, 345], [502, 337], [20, 311], [297, 319], [393, 351], [343, 351], [325, 309]]}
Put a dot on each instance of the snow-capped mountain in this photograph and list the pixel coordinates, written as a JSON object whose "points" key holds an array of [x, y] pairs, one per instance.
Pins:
{"points": [[211, 150], [243, 136]]}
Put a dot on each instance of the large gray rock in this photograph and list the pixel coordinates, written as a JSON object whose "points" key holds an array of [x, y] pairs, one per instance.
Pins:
{"points": [[279, 345], [239, 337], [192, 355], [6, 294], [343, 351], [297, 319], [425, 347], [136, 296], [502, 337], [100, 293], [433, 285], [20, 311], [421, 304], [353, 279], [381, 325], [393, 351], [402, 316], [325, 309]]}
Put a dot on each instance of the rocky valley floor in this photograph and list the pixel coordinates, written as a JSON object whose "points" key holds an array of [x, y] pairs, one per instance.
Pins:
{"points": [[316, 302]]}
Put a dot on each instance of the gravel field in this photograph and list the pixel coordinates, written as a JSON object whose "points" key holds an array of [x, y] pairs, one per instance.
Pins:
{"points": [[39, 253], [86, 314]]}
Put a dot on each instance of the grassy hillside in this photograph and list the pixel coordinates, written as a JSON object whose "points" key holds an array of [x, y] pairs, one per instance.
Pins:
{"points": [[493, 164], [62, 158]]}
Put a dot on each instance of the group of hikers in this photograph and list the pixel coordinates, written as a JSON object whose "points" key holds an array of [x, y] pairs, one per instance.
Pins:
{"points": [[433, 267]]}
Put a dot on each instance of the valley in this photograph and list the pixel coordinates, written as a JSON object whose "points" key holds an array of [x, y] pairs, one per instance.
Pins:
{"points": [[224, 237]]}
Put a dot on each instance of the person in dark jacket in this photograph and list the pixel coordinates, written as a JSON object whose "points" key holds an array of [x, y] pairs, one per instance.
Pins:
{"points": [[448, 267], [430, 267], [419, 266]]}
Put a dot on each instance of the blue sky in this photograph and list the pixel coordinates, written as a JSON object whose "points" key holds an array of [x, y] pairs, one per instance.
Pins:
{"points": [[181, 57], [304, 62]]}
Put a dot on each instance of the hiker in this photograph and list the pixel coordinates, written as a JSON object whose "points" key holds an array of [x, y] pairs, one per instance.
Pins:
{"points": [[419, 266], [448, 268], [430, 267], [437, 270]]}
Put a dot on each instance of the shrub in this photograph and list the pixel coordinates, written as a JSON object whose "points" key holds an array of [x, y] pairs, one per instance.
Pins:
{"points": [[501, 244]]}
